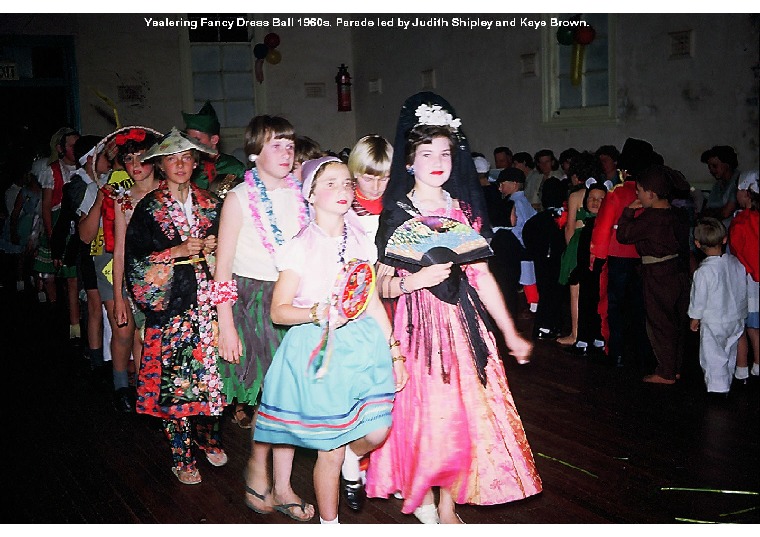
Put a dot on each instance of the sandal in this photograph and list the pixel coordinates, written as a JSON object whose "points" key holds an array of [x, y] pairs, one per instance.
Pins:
{"points": [[217, 457], [261, 497], [241, 417], [285, 509], [187, 477]]}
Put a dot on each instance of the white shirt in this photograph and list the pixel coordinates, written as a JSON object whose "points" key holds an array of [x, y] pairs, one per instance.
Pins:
{"points": [[252, 259], [719, 290], [46, 179]]}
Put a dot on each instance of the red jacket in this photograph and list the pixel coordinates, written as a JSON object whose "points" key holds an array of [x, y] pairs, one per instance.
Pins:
{"points": [[604, 241], [744, 241]]}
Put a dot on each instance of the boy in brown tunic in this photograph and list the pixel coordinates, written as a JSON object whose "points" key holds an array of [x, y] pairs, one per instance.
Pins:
{"points": [[661, 234]]}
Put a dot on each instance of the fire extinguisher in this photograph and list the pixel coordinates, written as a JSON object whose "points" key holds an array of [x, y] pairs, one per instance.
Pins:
{"points": [[343, 80]]}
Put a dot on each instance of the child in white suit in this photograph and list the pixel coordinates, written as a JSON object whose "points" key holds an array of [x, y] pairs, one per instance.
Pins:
{"points": [[717, 306]]}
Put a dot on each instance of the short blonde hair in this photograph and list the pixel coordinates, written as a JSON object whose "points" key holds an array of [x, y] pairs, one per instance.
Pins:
{"points": [[372, 155], [710, 232]]}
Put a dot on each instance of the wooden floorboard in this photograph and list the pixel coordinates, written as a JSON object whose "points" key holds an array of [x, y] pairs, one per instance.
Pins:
{"points": [[606, 446]]}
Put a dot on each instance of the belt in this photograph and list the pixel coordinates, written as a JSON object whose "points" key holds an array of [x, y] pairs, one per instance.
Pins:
{"points": [[651, 260]]}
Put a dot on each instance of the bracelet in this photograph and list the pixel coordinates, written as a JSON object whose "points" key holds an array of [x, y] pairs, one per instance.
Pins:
{"points": [[394, 344], [313, 313], [399, 358], [402, 287]]}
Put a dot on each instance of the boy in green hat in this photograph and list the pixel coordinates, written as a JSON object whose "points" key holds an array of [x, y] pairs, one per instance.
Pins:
{"points": [[220, 172]]}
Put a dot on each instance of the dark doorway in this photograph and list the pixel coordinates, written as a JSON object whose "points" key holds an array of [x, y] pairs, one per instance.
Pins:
{"points": [[39, 96]]}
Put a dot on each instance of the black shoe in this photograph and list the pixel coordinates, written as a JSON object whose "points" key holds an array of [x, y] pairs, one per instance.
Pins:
{"points": [[122, 401], [582, 352], [355, 494], [547, 333]]}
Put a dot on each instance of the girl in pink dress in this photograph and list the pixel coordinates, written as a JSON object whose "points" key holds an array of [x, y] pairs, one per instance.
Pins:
{"points": [[455, 425]]}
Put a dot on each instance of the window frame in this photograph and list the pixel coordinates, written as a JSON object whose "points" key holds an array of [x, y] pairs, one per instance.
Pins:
{"points": [[231, 136], [552, 113]]}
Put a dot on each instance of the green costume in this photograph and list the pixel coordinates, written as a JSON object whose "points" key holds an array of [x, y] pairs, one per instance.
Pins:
{"points": [[213, 174]]}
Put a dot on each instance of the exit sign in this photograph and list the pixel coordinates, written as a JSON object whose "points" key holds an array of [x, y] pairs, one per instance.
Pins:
{"points": [[8, 71]]}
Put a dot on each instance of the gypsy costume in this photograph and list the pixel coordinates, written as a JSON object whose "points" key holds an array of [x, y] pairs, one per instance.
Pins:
{"points": [[455, 424], [178, 375], [269, 217], [341, 394]]}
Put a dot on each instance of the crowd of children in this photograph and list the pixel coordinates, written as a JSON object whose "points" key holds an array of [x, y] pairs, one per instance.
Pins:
{"points": [[269, 287]]}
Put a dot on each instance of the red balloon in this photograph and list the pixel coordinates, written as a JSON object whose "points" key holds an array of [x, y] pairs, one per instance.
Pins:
{"points": [[584, 35], [272, 40]]}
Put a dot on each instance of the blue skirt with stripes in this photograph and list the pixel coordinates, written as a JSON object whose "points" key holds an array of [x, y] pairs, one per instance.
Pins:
{"points": [[354, 396]]}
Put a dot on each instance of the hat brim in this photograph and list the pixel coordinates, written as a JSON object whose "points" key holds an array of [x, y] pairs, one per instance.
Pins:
{"points": [[175, 142]]}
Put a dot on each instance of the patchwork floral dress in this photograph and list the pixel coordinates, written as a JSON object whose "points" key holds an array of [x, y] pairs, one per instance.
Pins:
{"points": [[178, 374]]}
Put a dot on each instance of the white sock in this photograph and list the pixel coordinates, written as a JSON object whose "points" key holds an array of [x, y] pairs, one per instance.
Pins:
{"points": [[581, 344], [323, 521], [533, 307], [755, 369], [350, 468], [598, 343], [741, 373]]}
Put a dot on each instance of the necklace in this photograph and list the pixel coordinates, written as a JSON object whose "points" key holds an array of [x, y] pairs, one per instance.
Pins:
{"points": [[446, 196], [257, 195], [344, 240]]}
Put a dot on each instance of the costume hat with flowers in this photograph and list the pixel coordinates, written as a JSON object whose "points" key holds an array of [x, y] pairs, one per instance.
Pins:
{"points": [[127, 139], [205, 120], [175, 142]]}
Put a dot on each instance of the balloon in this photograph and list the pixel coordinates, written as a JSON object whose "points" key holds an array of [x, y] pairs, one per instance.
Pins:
{"points": [[565, 36], [272, 40], [576, 64], [259, 71], [584, 35], [274, 56], [260, 51]]}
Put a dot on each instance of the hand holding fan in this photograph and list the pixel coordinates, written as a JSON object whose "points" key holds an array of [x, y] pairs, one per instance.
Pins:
{"points": [[426, 240]]}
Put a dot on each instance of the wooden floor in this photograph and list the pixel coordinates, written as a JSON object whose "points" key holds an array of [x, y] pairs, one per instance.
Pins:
{"points": [[609, 448]]}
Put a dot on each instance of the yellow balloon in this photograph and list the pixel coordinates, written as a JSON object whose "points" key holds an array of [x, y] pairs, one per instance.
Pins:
{"points": [[274, 56]]}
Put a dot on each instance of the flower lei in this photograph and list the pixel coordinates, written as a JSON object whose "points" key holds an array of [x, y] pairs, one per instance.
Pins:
{"points": [[435, 115], [205, 313], [257, 195]]}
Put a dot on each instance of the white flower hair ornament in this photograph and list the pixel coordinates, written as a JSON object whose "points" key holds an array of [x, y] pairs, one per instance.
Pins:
{"points": [[435, 115]]}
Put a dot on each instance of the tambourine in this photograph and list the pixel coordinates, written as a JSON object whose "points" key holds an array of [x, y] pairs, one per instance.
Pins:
{"points": [[354, 288]]}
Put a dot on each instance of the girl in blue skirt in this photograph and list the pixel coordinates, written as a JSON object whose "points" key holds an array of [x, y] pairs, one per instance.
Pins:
{"points": [[331, 382]]}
